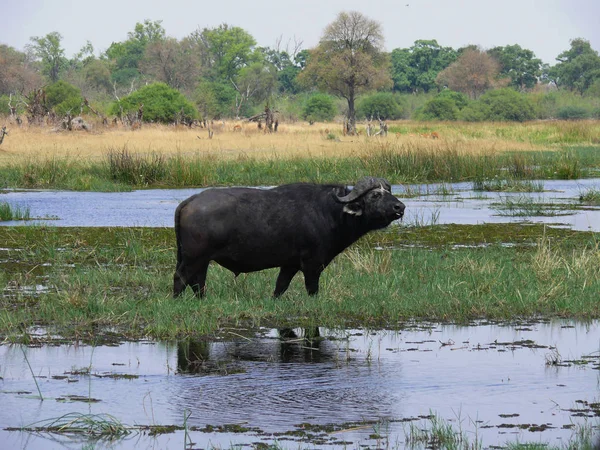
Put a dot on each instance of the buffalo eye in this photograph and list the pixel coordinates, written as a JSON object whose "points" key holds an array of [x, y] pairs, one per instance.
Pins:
{"points": [[376, 194]]}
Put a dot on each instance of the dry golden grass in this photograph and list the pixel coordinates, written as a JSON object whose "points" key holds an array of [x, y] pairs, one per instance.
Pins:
{"points": [[292, 140]]}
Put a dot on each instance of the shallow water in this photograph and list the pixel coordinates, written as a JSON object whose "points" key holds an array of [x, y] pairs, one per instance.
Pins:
{"points": [[486, 380], [155, 207]]}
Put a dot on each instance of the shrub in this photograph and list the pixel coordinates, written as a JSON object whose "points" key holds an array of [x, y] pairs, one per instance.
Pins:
{"points": [[507, 105], [319, 108], [438, 108], [475, 112], [63, 98], [161, 104], [459, 99], [384, 105], [573, 112]]}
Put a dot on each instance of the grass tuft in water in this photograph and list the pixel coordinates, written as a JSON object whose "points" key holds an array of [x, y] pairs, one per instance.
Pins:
{"points": [[590, 196], [8, 212], [508, 185], [528, 207], [93, 425]]}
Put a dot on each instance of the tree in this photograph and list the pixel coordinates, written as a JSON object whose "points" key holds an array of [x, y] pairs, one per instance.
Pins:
{"points": [[415, 69], [126, 56], [214, 99], [17, 72], [160, 103], [172, 62], [255, 82], [348, 60], [473, 73], [578, 68], [63, 98], [518, 64], [51, 54], [224, 51]]}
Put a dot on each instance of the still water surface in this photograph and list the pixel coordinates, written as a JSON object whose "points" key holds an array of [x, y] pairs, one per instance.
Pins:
{"points": [[486, 379], [155, 207]]}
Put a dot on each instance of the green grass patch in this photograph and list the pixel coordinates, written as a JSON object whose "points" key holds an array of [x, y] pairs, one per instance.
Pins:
{"points": [[120, 279]]}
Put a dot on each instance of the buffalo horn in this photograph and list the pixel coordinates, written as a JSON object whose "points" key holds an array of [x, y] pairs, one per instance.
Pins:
{"points": [[363, 186]]}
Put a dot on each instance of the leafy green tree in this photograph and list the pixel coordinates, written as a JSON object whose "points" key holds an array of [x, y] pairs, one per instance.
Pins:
{"points": [[578, 68], [518, 64], [383, 105], [215, 100], [63, 98], [254, 83], [319, 108], [349, 60], [415, 69], [224, 50], [126, 56], [48, 49], [161, 104]]}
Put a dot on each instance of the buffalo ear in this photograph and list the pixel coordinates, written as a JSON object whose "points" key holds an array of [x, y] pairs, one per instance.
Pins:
{"points": [[354, 209]]}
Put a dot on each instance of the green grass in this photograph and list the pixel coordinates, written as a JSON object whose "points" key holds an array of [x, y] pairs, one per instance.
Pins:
{"points": [[590, 196], [528, 207], [121, 279], [508, 185], [122, 170], [8, 212]]}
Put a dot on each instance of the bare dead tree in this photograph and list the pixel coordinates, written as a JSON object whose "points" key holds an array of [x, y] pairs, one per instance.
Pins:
{"points": [[271, 121], [102, 116]]}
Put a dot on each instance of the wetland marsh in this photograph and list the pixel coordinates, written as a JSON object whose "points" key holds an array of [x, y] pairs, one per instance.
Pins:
{"points": [[472, 324]]}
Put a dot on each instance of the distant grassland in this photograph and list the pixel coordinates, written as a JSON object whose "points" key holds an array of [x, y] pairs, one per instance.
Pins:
{"points": [[109, 159]]}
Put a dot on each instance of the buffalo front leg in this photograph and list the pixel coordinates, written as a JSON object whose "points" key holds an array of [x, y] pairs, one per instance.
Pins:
{"points": [[283, 280]]}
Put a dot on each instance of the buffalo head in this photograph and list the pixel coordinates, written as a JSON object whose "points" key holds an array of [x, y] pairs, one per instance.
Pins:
{"points": [[372, 199]]}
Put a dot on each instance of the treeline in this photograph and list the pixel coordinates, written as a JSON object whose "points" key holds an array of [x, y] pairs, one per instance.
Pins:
{"points": [[222, 72]]}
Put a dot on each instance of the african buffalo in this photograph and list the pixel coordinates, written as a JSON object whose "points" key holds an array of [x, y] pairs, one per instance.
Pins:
{"points": [[297, 227]]}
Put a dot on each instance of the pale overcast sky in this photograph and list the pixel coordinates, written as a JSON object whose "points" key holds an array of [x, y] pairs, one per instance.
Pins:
{"points": [[544, 26]]}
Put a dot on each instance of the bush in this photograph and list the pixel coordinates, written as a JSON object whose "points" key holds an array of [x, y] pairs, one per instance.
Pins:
{"points": [[63, 98], [475, 112], [161, 104], [319, 108], [384, 105], [573, 112], [459, 99], [438, 108], [507, 105]]}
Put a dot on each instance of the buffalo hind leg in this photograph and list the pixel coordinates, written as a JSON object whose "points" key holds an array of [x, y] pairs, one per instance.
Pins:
{"points": [[284, 279], [193, 275], [311, 281], [178, 283]]}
